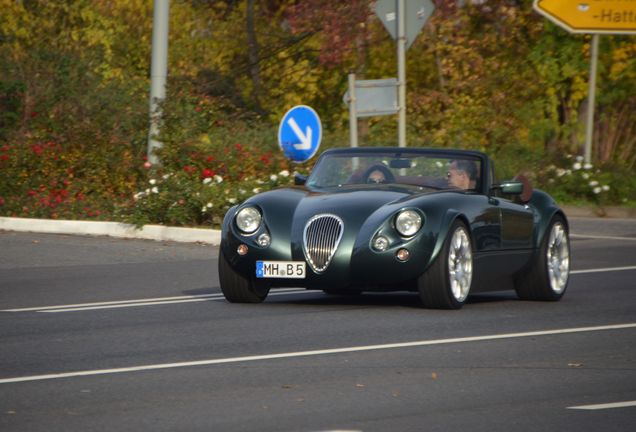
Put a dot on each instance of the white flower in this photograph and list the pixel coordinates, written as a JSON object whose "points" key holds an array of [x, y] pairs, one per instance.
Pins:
{"points": [[585, 176], [579, 158], [284, 173], [207, 180], [242, 191], [605, 188], [256, 190], [218, 178], [439, 164], [147, 191], [577, 166], [593, 183], [588, 166], [166, 176], [273, 177], [204, 209], [209, 205], [139, 195], [597, 190], [155, 189], [560, 172], [231, 200], [259, 181], [152, 181]]}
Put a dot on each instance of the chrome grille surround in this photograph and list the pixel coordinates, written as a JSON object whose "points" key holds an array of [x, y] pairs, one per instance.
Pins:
{"points": [[321, 238]]}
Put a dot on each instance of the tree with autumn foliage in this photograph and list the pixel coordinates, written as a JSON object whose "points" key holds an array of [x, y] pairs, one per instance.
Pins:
{"points": [[484, 74]]}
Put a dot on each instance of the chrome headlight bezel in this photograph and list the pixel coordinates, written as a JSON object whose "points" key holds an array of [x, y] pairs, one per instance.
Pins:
{"points": [[408, 222], [248, 220]]}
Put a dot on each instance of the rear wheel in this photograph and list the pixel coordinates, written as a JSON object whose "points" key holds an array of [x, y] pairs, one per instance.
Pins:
{"points": [[446, 284], [548, 274], [236, 287]]}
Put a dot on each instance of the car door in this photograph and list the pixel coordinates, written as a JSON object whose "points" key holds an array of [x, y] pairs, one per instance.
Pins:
{"points": [[516, 225]]}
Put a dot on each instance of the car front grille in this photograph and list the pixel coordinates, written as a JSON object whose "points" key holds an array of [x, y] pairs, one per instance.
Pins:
{"points": [[320, 240]]}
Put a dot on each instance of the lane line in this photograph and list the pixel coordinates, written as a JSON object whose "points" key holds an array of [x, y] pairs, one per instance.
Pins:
{"points": [[218, 297], [321, 352], [602, 270], [605, 406], [599, 237], [123, 302]]}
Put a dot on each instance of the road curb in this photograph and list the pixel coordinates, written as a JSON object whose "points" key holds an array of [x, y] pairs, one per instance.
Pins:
{"points": [[112, 229]]}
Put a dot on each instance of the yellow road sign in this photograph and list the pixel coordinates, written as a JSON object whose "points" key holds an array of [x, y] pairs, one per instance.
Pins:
{"points": [[590, 16]]}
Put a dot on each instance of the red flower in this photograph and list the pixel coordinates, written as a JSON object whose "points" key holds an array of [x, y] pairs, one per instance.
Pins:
{"points": [[238, 146], [34, 114], [2, 201], [4, 157], [189, 169], [210, 159], [32, 193], [37, 149], [207, 173]]}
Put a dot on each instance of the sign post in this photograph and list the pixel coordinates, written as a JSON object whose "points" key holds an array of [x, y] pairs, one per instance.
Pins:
{"points": [[595, 17], [403, 19]]}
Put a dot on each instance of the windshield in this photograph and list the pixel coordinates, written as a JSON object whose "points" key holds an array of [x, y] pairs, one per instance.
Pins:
{"points": [[433, 170]]}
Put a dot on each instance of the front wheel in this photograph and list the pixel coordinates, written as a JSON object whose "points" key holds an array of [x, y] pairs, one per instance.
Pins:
{"points": [[236, 287], [446, 284], [548, 274]]}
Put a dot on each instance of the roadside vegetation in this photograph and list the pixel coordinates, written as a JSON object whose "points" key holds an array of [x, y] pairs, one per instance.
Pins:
{"points": [[490, 75]]}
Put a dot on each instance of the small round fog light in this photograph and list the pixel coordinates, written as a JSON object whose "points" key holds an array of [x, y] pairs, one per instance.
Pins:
{"points": [[264, 240], [403, 255], [380, 243], [242, 249]]}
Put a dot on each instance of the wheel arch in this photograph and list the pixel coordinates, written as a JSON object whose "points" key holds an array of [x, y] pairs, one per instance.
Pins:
{"points": [[448, 220]]}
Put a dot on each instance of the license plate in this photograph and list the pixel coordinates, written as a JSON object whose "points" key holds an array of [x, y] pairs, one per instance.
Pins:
{"points": [[280, 269]]}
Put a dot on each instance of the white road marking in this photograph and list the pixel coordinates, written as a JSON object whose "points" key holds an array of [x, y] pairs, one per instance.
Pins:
{"points": [[605, 406], [316, 353], [598, 237], [142, 302], [602, 270]]}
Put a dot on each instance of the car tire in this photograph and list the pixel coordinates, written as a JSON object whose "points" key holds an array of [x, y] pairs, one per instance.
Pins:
{"points": [[446, 284], [236, 287], [547, 276]]}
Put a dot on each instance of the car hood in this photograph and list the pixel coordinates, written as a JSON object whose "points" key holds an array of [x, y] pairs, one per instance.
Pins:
{"points": [[356, 206]]}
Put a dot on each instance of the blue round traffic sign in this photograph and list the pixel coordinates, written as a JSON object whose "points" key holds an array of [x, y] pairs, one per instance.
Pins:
{"points": [[299, 133]]}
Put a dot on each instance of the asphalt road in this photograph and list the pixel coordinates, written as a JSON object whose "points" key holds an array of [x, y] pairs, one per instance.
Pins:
{"points": [[103, 334]]}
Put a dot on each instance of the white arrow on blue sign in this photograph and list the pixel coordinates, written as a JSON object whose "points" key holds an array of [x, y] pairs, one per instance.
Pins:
{"points": [[299, 133]]}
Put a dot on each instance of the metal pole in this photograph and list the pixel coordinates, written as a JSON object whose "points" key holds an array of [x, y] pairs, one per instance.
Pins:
{"points": [[353, 112], [589, 126], [158, 73], [401, 55]]}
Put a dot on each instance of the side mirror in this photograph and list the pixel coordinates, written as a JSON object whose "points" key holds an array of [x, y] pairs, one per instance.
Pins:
{"points": [[511, 187], [299, 179]]}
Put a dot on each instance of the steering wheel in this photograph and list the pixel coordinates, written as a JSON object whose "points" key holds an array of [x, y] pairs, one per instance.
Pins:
{"points": [[386, 172]]}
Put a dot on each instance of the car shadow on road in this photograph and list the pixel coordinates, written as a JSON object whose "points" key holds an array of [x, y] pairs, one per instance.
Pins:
{"points": [[400, 299]]}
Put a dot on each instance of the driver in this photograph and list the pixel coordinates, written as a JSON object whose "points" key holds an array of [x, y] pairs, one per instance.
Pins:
{"points": [[462, 174]]}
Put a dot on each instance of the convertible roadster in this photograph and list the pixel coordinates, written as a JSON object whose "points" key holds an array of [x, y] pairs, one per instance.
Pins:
{"points": [[432, 221]]}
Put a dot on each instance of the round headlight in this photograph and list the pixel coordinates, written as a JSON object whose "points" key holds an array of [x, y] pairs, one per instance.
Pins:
{"points": [[248, 220], [380, 243], [408, 222]]}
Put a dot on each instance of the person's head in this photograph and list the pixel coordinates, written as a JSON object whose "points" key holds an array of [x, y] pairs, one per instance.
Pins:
{"points": [[462, 174], [376, 176]]}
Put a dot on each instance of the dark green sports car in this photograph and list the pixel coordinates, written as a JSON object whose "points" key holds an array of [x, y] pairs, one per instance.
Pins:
{"points": [[432, 221]]}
